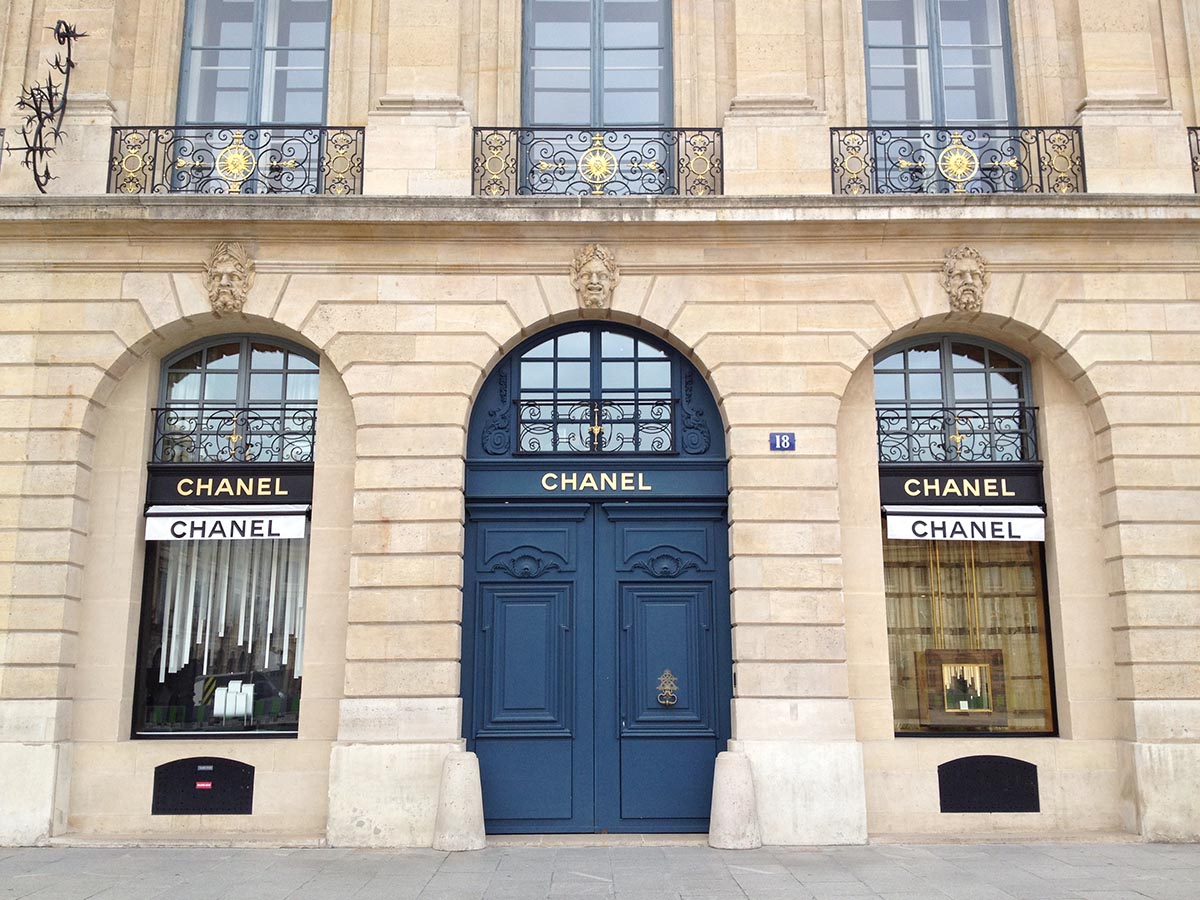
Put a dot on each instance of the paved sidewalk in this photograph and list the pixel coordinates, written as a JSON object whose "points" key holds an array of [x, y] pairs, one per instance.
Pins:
{"points": [[996, 871]]}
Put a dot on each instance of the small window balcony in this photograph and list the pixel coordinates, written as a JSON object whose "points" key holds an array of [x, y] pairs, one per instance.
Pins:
{"points": [[597, 162], [211, 433], [231, 159], [965, 160], [994, 432]]}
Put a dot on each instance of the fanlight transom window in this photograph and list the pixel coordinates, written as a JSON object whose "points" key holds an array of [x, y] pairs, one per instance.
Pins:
{"points": [[238, 400], [952, 399], [596, 391]]}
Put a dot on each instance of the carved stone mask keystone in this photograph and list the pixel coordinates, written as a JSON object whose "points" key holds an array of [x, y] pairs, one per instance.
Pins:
{"points": [[594, 275], [228, 277], [965, 278]]}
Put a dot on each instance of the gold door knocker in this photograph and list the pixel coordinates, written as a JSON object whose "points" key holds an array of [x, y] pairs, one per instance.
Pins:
{"points": [[667, 686]]}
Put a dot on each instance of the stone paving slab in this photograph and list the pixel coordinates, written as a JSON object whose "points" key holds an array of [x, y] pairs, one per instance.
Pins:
{"points": [[619, 871]]}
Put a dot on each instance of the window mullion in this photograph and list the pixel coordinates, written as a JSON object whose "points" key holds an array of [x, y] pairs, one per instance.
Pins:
{"points": [[258, 62], [597, 76], [937, 78]]}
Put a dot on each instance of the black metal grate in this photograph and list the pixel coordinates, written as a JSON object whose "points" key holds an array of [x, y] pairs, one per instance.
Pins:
{"points": [[984, 433], [598, 162], [957, 160], [236, 160]]}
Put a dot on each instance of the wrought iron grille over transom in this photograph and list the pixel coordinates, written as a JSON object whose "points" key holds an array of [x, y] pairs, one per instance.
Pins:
{"points": [[235, 160], [597, 162], [237, 400], [957, 160], [951, 400]]}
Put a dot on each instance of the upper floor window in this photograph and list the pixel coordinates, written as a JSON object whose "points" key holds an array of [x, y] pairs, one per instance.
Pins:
{"points": [[597, 63], [255, 62], [240, 400], [953, 399], [938, 62]]}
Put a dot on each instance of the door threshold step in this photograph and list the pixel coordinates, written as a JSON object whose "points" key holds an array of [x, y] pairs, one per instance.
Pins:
{"points": [[597, 840]]}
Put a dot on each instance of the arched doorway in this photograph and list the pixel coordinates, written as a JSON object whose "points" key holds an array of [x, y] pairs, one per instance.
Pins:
{"points": [[597, 668]]}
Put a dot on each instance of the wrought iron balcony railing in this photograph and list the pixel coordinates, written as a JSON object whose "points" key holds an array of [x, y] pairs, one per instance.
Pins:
{"points": [[196, 433], [1194, 144], [958, 160], [984, 433], [234, 160], [596, 426], [609, 161]]}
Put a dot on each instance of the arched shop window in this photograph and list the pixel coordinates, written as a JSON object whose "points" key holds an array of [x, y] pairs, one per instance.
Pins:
{"points": [[961, 486], [221, 647]]}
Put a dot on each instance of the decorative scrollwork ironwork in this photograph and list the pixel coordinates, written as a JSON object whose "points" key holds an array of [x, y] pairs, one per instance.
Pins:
{"points": [[47, 105], [510, 161], [206, 434], [696, 437], [996, 433], [957, 160], [497, 434], [596, 426], [230, 160], [1194, 144]]}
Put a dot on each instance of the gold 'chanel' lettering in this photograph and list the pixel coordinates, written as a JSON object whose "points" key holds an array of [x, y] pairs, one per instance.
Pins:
{"points": [[605, 481], [958, 487], [264, 486]]}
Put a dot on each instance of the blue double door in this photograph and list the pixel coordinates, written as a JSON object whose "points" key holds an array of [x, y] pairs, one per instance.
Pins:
{"points": [[597, 669]]}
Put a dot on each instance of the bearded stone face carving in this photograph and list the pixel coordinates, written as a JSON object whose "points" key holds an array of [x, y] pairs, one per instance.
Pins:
{"points": [[228, 276], [965, 278], [594, 275]]}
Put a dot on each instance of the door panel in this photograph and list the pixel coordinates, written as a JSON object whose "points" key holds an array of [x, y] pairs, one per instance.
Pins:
{"points": [[575, 614]]}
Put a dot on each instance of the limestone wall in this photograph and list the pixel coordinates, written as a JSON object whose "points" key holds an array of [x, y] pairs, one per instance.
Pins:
{"points": [[410, 304]]}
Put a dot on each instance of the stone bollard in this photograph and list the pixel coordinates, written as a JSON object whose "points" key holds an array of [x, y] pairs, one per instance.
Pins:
{"points": [[734, 821], [459, 823]]}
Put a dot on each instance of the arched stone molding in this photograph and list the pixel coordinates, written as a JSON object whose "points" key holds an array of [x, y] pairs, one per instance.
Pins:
{"points": [[1107, 609], [292, 776]]}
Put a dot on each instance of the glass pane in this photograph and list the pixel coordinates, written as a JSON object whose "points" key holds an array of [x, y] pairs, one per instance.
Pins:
{"points": [[967, 356], [901, 91], [537, 376], [218, 86], [894, 361], [266, 387], [925, 356], [969, 386], [222, 640], [224, 356], [632, 108], [616, 345], [223, 23], [294, 87], [191, 361], [183, 386], [889, 387], [266, 356], [575, 345], [574, 376], [999, 361], [221, 387], [654, 376], [617, 376], [298, 23], [544, 349], [1006, 385], [965, 22], [896, 22], [645, 351], [967, 636], [302, 386], [925, 387]]}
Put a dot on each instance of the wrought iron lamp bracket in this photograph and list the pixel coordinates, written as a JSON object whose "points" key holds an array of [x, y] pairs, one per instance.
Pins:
{"points": [[47, 104]]}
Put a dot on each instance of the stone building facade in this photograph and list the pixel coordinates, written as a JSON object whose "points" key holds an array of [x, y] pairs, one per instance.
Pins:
{"points": [[411, 291]]}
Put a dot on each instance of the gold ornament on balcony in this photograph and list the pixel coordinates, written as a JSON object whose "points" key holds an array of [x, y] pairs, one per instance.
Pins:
{"points": [[598, 165], [965, 278], [594, 275], [228, 277], [958, 163]]}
